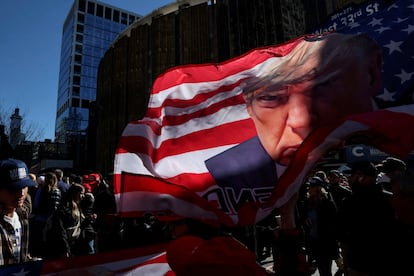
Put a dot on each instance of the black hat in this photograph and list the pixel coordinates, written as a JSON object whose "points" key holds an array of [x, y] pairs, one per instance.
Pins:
{"points": [[335, 173], [364, 167], [391, 164], [14, 175], [316, 181]]}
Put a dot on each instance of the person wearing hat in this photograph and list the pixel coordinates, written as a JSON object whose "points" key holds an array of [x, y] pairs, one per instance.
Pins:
{"points": [[365, 223], [317, 216], [337, 190], [392, 169], [14, 183]]}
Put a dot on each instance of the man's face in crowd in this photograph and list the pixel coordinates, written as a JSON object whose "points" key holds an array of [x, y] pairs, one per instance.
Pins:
{"points": [[13, 198], [285, 117]]}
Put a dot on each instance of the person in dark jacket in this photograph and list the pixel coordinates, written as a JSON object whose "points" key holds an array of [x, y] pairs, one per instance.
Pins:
{"points": [[319, 221], [86, 241], [47, 200], [62, 185], [365, 224], [63, 227]]}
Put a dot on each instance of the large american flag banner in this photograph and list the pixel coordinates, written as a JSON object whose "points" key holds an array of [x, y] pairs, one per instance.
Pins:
{"points": [[196, 112], [147, 260]]}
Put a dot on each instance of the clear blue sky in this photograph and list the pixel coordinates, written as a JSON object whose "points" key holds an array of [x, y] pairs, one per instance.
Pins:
{"points": [[30, 35]]}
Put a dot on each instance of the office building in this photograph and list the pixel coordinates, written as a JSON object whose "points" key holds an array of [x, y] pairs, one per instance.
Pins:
{"points": [[88, 31]]}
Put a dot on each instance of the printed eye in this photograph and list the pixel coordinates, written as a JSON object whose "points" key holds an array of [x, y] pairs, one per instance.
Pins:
{"points": [[271, 100]]}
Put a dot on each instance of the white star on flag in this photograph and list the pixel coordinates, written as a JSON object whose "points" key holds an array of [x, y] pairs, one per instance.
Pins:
{"points": [[386, 96], [394, 46], [404, 76], [375, 22], [382, 29], [392, 7], [409, 29], [399, 20]]}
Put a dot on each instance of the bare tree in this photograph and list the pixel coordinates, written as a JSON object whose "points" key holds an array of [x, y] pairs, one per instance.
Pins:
{"points": [[4, 116], [33, 131]]}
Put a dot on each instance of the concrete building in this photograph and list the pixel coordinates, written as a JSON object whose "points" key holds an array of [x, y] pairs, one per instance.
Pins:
{"points": [[88, 31], [16, 135], [318, 11]]}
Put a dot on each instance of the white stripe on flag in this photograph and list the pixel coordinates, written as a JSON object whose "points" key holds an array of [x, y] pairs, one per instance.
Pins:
{"points": [[225, 115], [189, 162], [187, 91]]}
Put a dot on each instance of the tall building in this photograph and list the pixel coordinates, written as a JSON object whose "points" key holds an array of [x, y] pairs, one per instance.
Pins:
{"points": [[88, 31], [316, 12], [16, 136]]}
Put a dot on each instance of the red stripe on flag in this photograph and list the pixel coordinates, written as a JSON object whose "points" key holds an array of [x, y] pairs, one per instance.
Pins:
{"points": [[157, 112], [231, 133], [214, 72], [181, 118], [140, 183]]}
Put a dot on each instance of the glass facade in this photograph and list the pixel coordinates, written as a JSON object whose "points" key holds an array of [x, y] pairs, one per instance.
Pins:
{"points": [[89, 30]]}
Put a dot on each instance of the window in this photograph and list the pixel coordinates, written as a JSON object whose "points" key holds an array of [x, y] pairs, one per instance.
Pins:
{"points": [[91, 8], [77, 69], [75, 90], [78, 59], [75, 102], [124, 18], [99, 10], [81, 17], [108, 13], [79, 38], [82, 5], [78, 49], [76, 80], [79, 28], [116, 16], [131, 19]]}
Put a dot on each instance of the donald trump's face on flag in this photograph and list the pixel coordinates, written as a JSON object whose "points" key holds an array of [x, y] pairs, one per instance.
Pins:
{"points": [[322, 80]]}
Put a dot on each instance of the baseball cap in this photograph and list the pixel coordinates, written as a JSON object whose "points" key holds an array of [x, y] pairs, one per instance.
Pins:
{"points": [[316, 181], [364, 167], [14, 175], [335, 173], [391, 164], [91, 181]]}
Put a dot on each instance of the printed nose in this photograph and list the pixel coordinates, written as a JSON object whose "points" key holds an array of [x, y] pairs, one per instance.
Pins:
{"points": [[300, 117]]}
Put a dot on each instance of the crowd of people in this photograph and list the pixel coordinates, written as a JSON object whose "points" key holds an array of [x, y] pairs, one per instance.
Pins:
{"points": [[359, 218], [58, 216]]}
